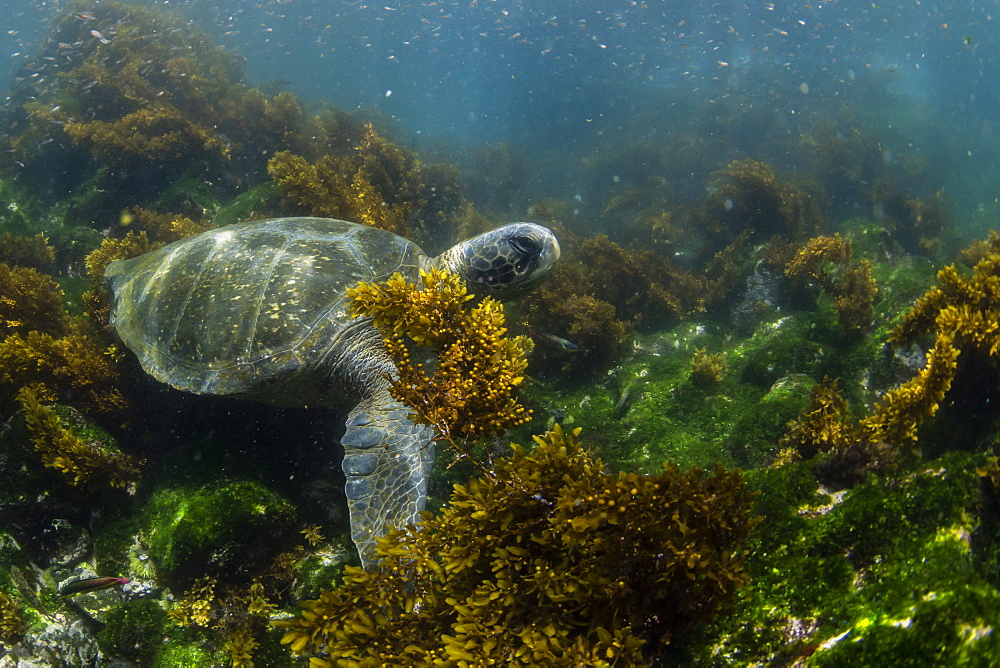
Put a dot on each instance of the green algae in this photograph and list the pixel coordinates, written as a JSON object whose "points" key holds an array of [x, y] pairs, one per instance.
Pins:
{"points": [[754, 438], [650, 411], [323, 569], [182, 653], [18, 212], [134, 630], [882, 573], [231, 524], [247, 205], [114, 531]]}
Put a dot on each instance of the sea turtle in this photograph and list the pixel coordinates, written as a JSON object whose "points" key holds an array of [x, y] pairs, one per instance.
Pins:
{"points": [[258, 311]]}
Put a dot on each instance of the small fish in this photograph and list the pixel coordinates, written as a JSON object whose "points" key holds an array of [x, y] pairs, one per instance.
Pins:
{"points": [[101, 38], [91, 584], [84, 16], [554, 341]]}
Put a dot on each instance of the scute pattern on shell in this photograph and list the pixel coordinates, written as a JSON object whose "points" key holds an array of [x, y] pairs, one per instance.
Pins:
{"points": [[225, 313]]}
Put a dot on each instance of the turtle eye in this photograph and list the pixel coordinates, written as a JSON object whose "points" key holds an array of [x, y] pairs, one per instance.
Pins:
{"points": [[525, 245]]}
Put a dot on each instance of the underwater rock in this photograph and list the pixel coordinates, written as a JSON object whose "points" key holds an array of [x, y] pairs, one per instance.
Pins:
{"points": [[134, 632], [321, 570], [54, 636], [783, 347], [888, 574], [227, 527], [753, 438], [74, 543], [36, 507], [907, 362], [96, 605], [59, 640]]}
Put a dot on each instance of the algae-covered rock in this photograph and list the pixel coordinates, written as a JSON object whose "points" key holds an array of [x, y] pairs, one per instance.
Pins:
{"points": [[24, 478], [178, 652], [882, 574], [37, 627], [134, 631], [58, 639], [780, 348], [322, 569], [227, 526], [754, 438]]}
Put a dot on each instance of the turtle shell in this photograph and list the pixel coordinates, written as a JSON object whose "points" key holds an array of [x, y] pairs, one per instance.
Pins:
{"points": [[232, 310]]}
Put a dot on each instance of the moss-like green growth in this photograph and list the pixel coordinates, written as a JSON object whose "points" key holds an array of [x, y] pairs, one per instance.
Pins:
{"points": [[648, 410], [879, 575], [776, 349], [185, 653], [230, 527], [549, 559], [134, 631], [321, 570], [248, 206], [20, 216], [754, 437]]}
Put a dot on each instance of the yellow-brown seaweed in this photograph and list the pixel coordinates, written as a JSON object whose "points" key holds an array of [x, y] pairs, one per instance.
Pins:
{"points": [[73, 365], [82, 461], [551, 560], [11, 619], [96, 298], [825, 261], [470, 393], [707, 368], [30, 301]]}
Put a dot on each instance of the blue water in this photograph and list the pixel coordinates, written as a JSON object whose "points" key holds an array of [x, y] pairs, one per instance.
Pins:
{"points": [[554, 77]]}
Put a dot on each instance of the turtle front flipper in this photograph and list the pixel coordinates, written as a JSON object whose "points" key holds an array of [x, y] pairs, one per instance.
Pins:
{"points": [[387, 460]]}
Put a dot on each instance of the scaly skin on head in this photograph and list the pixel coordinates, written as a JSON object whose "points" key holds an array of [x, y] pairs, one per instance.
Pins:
{"points": [[503, 263]]}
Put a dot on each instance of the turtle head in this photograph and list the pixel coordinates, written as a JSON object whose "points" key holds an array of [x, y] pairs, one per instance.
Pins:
{"points": [[503, 263]]}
